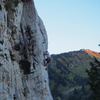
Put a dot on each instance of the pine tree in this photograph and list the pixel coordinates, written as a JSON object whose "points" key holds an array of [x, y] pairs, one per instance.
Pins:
{"points": [[83, 89], [75, 91], [94, 78]]}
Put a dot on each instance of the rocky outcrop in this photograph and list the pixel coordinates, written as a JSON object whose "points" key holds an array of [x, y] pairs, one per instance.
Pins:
{"points": [[23, 40]]}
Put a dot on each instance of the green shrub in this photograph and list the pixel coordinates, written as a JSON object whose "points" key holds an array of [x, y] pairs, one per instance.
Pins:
{"points": [[0, 64], [12, 56], [8, 5], [16, 3], [1, 42]]}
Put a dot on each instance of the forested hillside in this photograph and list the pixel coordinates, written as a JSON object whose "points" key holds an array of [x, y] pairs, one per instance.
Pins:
{"points": [[67, 74]]}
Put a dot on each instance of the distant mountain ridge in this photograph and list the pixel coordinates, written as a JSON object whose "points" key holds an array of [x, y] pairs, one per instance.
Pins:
{"points": [[67, 70], [92, 53]]}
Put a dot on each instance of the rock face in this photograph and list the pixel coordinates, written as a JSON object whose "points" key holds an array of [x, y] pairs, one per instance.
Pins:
{"points": [[23, 40]]}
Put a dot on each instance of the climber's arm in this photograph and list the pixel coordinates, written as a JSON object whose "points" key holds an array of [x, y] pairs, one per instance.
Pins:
{"points": [[45, 53]]}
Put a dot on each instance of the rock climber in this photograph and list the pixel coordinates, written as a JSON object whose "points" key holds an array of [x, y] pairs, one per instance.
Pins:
{"points": [[47, 58]]}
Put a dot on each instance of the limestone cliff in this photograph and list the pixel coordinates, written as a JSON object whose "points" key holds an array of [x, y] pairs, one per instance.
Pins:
{"points": [[23, 40]]}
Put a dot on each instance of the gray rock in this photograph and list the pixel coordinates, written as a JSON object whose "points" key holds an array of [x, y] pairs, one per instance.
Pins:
{"points": [[23, 39]]}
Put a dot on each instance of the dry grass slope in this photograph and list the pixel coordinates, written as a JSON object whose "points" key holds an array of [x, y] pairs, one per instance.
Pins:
{"points": [[92, 53]]}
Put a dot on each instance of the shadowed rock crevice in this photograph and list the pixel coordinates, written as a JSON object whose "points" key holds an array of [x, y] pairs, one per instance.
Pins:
{"points": [[25, 66]]}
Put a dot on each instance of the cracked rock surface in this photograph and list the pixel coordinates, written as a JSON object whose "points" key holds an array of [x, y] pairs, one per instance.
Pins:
{"points": [[23, 39]]}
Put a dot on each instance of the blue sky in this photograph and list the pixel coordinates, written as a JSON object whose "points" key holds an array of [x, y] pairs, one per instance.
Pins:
{"points": [[70, 24]]}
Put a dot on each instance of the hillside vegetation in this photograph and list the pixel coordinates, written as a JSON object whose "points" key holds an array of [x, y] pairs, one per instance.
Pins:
{"points": [[67, 71]]}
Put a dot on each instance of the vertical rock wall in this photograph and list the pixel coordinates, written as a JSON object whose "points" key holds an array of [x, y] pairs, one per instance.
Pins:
{"points": [[23, 40]]}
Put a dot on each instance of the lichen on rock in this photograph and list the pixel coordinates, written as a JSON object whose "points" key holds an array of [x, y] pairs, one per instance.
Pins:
{"points": [[23, 75]]}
